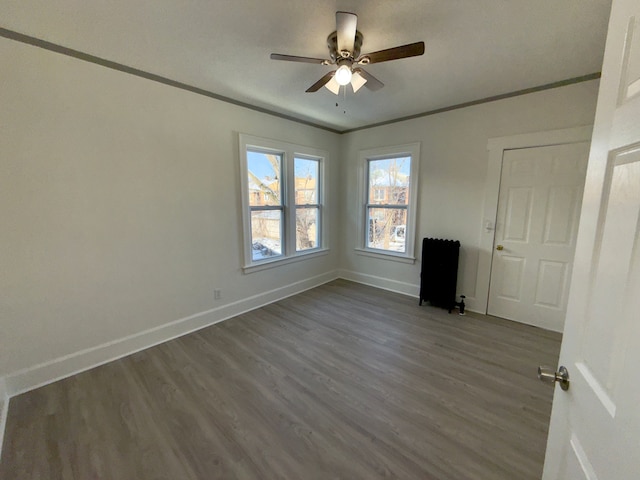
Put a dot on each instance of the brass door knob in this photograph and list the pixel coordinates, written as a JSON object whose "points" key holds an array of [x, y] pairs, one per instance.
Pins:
{"points": [[499, 247]]}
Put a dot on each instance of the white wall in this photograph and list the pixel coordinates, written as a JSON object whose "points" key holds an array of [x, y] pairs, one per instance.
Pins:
{"points": [[453, 172], [119, 200]]}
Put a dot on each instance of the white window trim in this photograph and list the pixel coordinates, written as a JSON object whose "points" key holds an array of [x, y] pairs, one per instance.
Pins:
{"points": [[289, 152], [412, 150]]}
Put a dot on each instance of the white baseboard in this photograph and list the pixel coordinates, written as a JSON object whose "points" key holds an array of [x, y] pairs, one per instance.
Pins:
{"points": [[59, 368], [4, 409], [405, 288], [68, 365], [39, 375]]}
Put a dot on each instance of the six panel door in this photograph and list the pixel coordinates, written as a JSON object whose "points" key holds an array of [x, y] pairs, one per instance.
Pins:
{"points": [[538, 208]]}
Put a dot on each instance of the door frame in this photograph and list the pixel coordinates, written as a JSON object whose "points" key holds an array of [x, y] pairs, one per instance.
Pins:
{"points": [[496, 147]]}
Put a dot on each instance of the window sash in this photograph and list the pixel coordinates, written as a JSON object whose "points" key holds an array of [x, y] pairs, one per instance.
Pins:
{"points": [[266, 207], [382, 237], [387, 205], [314, 229], [266, 247], [386, 232], [266, 182], [294, 245], [392, 192], [318, 227], [396, 230]]}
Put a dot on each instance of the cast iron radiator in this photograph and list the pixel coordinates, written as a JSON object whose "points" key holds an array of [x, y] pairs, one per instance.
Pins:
{"points": [[439, 274]]}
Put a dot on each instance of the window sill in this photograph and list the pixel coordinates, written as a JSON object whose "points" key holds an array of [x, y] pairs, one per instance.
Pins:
{"points": [[264, 265], [381, 254]]}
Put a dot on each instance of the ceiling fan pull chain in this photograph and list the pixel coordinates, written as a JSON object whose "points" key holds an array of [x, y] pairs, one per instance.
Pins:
{"points": [[344, 98]]}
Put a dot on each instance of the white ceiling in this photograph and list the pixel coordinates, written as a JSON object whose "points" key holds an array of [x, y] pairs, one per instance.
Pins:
{"points": [[474, 48]]}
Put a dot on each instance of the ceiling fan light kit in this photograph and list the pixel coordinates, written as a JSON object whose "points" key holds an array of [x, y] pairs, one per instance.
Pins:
{"points": [[344, 51], [343, 75], [357, 81]]}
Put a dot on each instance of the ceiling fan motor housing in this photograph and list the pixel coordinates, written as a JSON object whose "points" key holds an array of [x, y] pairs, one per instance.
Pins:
{"points": [[332, 44]]}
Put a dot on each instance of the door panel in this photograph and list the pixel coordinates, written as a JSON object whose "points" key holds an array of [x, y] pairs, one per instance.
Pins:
{"points": [[561, 216], [522, 166], [605, 353], [609, 296], [550, 287], [512, 269], [577, 465], [595, 425], [538, 208], [516, 224]]}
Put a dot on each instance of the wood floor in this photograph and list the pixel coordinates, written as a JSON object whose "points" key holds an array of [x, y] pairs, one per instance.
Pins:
{"points": [[343, 381]]}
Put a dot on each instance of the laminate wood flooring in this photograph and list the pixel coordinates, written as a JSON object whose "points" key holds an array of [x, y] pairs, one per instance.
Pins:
{"points": [[343, 381]]}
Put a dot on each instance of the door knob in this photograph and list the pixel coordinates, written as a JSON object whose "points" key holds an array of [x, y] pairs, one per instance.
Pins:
{"points": [[499, 247], [548, 375]]}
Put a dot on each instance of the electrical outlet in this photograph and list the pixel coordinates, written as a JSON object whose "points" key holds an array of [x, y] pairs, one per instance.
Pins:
{"points": [[217, 294]]}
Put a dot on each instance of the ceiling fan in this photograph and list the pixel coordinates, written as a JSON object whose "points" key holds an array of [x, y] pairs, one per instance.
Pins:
{"points": [[344, 51]]}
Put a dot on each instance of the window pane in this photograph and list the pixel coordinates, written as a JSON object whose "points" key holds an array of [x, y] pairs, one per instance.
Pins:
{"points": [[306, 228], [387, 228], [263, 170], [389, 181], [266, 234], [306, 174]]}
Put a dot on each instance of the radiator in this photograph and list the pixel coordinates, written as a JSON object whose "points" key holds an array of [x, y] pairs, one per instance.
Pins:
{"points": [[439, 275]]}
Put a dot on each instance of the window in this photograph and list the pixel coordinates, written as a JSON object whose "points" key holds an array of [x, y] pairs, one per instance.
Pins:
{"points": [[307, 207], [378, 194], [389, 194], [282, 201], [266, 207]]}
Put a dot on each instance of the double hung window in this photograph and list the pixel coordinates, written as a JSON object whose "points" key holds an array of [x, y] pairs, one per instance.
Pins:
{"points": [[389, 201], [282, 200]]}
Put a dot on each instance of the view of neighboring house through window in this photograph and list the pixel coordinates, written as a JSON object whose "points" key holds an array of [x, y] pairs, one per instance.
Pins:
{"points": [[307, 206], [267, 210], [378, 194], [282, 200], [389, 183], [389, 200]]}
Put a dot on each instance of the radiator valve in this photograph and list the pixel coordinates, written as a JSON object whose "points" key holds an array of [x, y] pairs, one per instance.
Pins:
{"points": [[461, 305]]}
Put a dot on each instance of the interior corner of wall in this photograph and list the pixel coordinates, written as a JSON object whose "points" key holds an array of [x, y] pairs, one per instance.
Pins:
{"points": [[4, 410], [4, 394]]}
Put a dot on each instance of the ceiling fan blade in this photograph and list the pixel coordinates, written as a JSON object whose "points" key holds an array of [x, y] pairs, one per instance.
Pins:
{"points": [[293, 58], [410, 50], [372, 82], [321, 83], [346, 28]]}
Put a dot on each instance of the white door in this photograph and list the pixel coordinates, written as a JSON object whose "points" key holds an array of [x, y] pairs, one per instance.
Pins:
{"points": [[595, 425], [537, 222]]}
